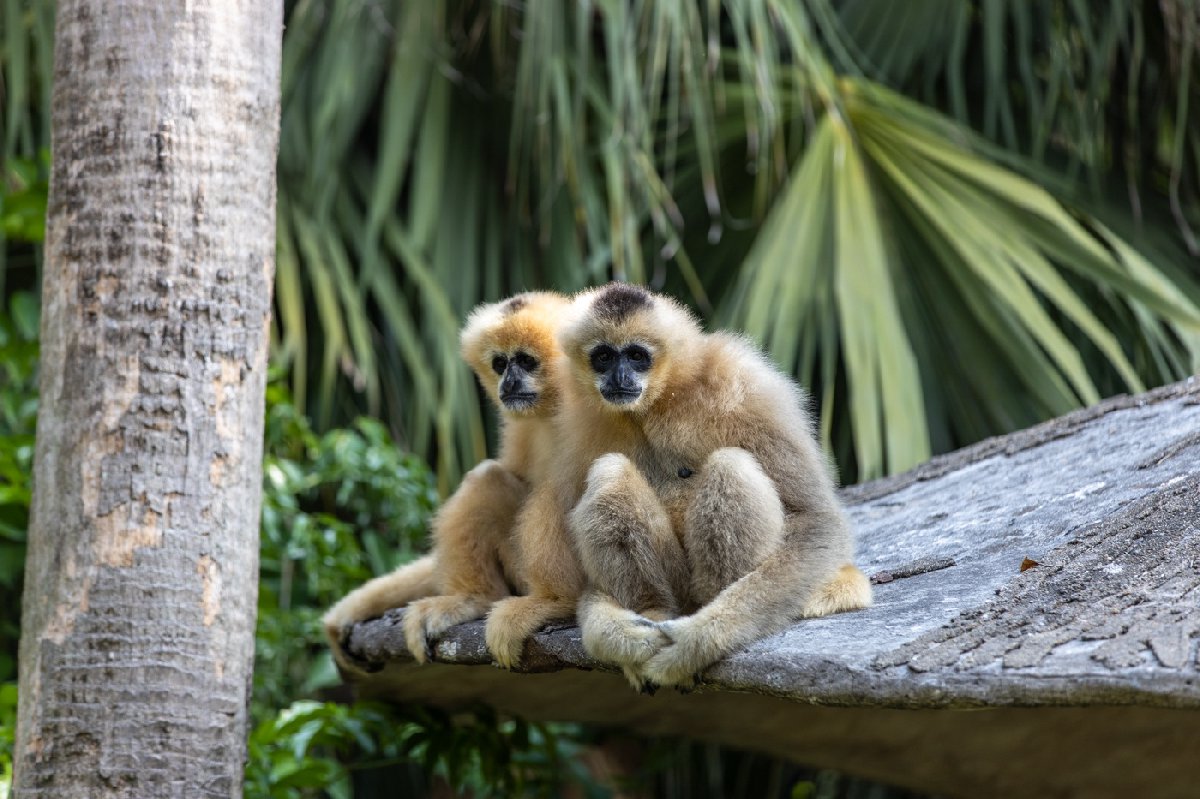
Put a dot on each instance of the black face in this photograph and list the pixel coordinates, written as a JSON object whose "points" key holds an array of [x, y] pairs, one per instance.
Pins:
{"points": [[517, 389], [621, 371]]}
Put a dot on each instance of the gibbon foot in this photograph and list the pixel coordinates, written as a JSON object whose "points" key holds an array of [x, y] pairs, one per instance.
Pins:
{"points": [[513, 620], [647, 689], [505, 637], [849, 589], [632, 646], [614, 634], [346, 662], [427, 619], [680, 662]]}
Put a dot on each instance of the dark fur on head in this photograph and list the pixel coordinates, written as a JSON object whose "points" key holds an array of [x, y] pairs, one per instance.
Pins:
{"points": [[515, 304], [616, 301]]}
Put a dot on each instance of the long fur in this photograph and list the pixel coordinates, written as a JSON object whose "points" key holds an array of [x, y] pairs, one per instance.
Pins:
{"points": [[725, 443], [475, 559], [583, 432]]}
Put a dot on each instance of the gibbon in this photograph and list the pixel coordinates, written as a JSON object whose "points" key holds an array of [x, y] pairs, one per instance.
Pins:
{"points": [[719, 504], [512, 347], [583, 431]]}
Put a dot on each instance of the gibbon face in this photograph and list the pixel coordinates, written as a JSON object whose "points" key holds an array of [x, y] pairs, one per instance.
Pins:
{"points": [[621, 374], [624, 344], [512, 348]]}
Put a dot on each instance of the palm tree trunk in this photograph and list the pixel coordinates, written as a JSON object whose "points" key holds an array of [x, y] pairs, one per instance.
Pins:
{"points": [[140, 587]]}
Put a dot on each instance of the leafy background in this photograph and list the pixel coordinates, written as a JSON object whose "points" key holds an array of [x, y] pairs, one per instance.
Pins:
{"points": [[947, 218]]}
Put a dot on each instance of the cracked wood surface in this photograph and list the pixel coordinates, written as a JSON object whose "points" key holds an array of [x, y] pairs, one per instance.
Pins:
{"points": [[1082, 669]]}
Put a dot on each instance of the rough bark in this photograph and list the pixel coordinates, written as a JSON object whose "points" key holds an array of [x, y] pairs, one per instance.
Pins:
{"points": [[1081, 672], [141, 579]]}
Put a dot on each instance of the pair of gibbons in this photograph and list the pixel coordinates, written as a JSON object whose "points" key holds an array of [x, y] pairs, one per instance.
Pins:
{"points": [[663, 482]]}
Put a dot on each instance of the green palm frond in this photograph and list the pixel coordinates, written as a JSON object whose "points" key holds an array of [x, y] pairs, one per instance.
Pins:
{"points": [[1104, 90], [947, 219], [898, 197], [742, 152]]}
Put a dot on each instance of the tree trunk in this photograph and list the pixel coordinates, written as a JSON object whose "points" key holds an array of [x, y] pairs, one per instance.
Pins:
{"points": [[141, 580]]}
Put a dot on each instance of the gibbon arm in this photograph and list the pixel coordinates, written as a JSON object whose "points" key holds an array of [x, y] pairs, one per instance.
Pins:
{"points": [[636, 568], [801, 575], [792, 582], [551, 571]]}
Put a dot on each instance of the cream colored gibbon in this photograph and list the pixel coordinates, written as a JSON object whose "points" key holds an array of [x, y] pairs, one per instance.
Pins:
{"points": [[512, 347], [584, 431], [717, 503]]}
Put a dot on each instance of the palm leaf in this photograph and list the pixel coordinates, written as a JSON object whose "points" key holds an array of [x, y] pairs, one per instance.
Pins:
{"points": [[947, 219]]}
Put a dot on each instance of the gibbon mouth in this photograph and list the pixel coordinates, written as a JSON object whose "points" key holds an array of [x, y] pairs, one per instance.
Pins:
{"points": [[621, 397], [522, 400]]}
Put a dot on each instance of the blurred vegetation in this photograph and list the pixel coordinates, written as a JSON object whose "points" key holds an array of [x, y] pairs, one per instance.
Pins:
{"points": [[18, 415], [947, 218]]}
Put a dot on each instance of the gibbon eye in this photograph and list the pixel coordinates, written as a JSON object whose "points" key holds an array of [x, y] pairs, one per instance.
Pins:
{"points": [[684, 472], [638, 356], [499, 364], [602, 357], [525, 361]]}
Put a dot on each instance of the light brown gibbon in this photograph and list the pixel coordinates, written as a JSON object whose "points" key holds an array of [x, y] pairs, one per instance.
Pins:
{"points": [[549, 563], [719, 505], [474, 562]]}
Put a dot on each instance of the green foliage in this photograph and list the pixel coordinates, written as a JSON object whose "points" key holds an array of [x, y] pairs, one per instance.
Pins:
{"points": [[18, 415], [948, 220], [318, 491], [337, 509], [903, 243], [8, 733], [314, 747], [26, 74], [935, 269], [23, 199], [283, 760]]}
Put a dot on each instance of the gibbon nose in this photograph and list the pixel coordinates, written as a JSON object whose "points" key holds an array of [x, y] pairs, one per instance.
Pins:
{"points": [[512, 382], [626, 378]]}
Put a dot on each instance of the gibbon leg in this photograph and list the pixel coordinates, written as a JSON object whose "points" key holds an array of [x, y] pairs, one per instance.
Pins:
{"points": [[734, 522], [635, 565], [548, 566], [626, 545], [737, 521], [471, 532]]}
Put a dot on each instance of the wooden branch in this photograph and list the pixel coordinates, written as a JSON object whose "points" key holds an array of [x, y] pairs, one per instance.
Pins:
{"points": [[1048, 580]]}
